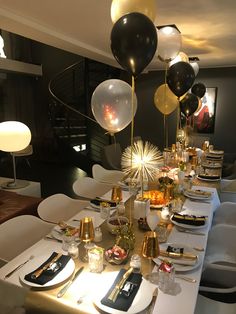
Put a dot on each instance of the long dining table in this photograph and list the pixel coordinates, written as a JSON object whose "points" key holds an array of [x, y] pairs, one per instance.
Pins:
{"points": [[88, 285]]}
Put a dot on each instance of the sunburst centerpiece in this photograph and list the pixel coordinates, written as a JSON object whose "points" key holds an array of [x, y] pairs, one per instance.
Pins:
{"points": [[141, 161]]}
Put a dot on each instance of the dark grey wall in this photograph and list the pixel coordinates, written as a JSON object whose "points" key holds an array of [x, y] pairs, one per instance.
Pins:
{"points": [[148, 122]]}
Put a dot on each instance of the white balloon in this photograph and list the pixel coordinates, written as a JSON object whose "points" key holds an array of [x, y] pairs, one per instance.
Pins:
{"points": [[195, 67], [14, 136], [169, 43], [112, 106], [152, 221]]}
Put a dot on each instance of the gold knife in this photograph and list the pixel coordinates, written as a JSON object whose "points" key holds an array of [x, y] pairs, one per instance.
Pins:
{"points": [[114, 294], [178, 255], [38, 272]]}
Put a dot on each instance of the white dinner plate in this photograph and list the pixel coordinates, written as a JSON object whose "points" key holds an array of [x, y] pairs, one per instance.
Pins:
{"points": [[141, 301], [216, 152], [212, 165], [186, 226], [198, 196], [64, 274], [209, 180], [57, 232], [178, 267]]}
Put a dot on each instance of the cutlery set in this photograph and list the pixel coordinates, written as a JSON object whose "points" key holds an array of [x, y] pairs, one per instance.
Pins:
{"points": [[18, 267], [66, 287], [50, 265]]}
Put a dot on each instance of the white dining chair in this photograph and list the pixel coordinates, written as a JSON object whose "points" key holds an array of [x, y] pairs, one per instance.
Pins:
{"points": [[19, 233], [59, 207], [106, 175], [12, 298], [221, 247], [206, 305], [225, 214], [227, 191], [218, 284], [90, 188]]}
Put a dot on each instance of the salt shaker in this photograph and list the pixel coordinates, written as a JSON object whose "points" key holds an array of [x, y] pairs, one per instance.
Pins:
{"points": [[98, 235], [135, 262], [73, 250]]}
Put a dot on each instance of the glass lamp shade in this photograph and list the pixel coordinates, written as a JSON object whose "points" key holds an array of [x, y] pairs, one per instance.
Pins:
{"points": [[86, 233], [150, 247], [14, 136]]}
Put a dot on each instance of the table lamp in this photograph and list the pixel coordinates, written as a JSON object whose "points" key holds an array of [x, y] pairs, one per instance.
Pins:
{"points": [[14, 136]]}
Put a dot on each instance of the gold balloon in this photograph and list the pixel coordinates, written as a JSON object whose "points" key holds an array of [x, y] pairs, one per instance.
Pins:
{"points": [[165, 100], [121, 7], [180, 57]]}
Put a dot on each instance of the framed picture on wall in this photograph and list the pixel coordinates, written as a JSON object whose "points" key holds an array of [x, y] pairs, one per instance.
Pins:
{"points": [[204, 119]]}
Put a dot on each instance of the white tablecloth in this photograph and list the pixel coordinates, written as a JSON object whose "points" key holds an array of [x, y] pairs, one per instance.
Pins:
{"points": [[185, 299]]}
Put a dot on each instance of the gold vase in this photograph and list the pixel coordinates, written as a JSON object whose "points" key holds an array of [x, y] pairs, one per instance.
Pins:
{"points": [[150, 247], [86, 232]]}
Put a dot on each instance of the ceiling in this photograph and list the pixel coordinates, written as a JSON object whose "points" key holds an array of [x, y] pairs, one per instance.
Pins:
{"points": [[83, 27]]}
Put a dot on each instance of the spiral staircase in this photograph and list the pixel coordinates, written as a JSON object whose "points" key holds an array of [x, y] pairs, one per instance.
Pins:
{"points": [[70, 113]]}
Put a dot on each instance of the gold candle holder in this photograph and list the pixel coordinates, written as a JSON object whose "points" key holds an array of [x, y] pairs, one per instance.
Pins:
{"points": [[86, 232], [150, 250], [150, 247], [116, 194]]}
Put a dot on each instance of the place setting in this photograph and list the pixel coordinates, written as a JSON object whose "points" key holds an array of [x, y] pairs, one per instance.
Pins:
{"points": [[187, 221], [198, 194], [181, 255], [47, 270]]}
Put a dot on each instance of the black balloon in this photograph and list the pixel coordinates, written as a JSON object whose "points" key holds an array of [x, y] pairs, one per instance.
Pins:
{"points": [[189, 104], [134, 42], [198, 89], [180, 78]]}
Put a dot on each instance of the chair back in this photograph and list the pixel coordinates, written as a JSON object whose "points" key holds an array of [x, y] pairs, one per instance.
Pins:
{"points": [[206, 305], [106, 176], [227, 191], [59, 207], [90, 188], [19, 233], [221, 246], [225, 214]]}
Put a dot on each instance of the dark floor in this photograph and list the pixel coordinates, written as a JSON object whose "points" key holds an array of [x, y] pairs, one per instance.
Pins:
{"points": [[57, 177]]}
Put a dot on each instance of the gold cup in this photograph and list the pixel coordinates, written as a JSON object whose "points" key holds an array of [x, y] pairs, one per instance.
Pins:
{"points": [[150, 247], [86, 232], [116, 194]]}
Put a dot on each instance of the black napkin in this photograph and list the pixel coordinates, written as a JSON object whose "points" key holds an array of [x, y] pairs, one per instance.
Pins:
{"points": [[48, 275], [189, 219], [123, 302]]}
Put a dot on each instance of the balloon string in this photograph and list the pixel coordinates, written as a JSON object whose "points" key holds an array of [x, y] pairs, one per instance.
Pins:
{"points": [[178, 120], [132, 141], [165, 118]]}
